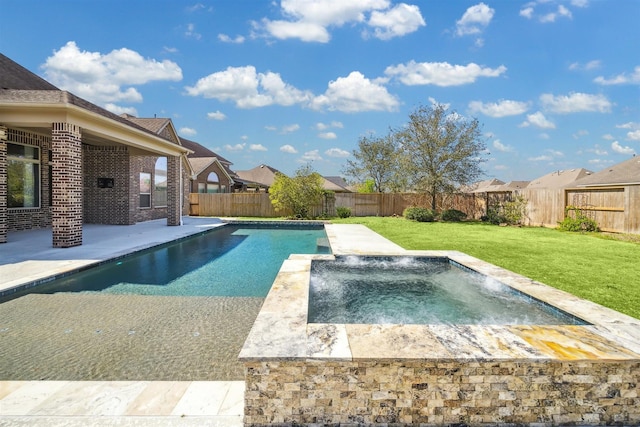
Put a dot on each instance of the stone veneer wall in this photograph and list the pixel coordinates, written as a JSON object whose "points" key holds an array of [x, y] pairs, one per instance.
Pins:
{"points": [[107, 205], [442, 393]]}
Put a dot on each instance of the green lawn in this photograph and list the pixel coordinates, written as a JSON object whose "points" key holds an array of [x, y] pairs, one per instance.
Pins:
{"points": [[605, 271]]}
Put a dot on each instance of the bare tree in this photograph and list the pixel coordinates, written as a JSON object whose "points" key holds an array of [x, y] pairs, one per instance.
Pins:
{"points": [[442, 150], [376, 159]]}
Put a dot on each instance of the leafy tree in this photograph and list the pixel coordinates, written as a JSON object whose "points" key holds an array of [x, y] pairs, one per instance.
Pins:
{"points": [[298, 194], [442, 150], [376, 160], [368, 186]]}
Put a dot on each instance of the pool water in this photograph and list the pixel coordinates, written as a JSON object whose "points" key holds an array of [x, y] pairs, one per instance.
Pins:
{"points": [[413, 290], [236, 261]]}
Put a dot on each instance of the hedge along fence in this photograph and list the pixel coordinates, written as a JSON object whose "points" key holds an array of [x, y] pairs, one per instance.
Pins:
{"points": [[360, 204]]}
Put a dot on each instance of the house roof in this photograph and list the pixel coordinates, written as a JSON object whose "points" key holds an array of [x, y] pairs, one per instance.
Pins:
{"points": [[339, 181], [559, 179], [201, 151], [627, 172], [30, 102], [15, 76], [483, 186], [263, 174]]}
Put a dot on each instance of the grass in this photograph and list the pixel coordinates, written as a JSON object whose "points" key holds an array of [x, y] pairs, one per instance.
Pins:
{"points": [[602, 270]]}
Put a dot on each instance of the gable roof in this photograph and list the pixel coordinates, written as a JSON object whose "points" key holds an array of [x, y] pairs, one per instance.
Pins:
{"points": [[483, 186], [15, 76], [627, 172], [263, 174], [559, 179], [201, 151]]}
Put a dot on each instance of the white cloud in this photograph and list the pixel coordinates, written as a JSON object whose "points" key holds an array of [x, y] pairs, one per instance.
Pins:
{"points": [[580, 134], [474, 20], [257, 147], [608, 137], [615, 146], [634, 135], [248, 89], [542, 158], [116, 109], [538, 119], [191, 32], [309, 20], [237, 147], [398, 21], [216, 115], [597, 150], [337, 152], [311, 156], [529, 10], [441, 73], [288, 149], [327, 135], [187, 131], [591, 65], [629, 125], [502, 147], [621, 79], [106, 78], [226, 39], [502, 108], [290, 128], [575, 103], [324, 126], [355, 93]]}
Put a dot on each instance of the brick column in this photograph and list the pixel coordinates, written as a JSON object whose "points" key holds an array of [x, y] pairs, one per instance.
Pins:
{"points": [[173, 190], [3, 184], [66, 211]]}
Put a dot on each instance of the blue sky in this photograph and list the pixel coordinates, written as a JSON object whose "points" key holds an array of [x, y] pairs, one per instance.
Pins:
{"points": [[555, 84]]}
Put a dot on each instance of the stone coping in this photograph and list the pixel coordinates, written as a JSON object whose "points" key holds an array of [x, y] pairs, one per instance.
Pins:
{"points": [[281, 331]]}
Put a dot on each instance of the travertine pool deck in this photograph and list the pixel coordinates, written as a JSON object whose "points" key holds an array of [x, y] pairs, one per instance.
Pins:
{"points": [[284, 356]]}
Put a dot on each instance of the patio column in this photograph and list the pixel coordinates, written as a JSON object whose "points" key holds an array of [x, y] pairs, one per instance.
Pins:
{"points": [[3, 184], [174, 201], [66, 209]]}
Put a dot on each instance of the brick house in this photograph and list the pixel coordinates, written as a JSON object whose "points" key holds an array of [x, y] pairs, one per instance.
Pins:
{"points": [[211, 173], [65, 161]]}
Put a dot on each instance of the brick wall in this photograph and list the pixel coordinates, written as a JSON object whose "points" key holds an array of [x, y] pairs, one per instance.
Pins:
{"points": [[66, 209], [28, 218], [106, 205], [202, 178], [3, 184]]}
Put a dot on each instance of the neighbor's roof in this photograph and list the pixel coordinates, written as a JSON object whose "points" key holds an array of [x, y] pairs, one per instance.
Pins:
{"points": [[201, 151], [483, 186], [627, 172], [339, 181], [559, 179], [263, 174]]}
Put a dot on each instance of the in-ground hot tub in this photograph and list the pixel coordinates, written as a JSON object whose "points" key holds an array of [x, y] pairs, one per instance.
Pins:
{"points": [[297, 372], [419, 290]]}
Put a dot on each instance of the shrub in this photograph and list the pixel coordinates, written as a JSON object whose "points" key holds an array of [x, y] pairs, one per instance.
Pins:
{"points": [[416, 213], [453, 215], [343, 212], [494, 216], [579, 222]]}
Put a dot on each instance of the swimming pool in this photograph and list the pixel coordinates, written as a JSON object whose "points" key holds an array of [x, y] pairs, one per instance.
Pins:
{"points": [[150, 316], [234, 260]]}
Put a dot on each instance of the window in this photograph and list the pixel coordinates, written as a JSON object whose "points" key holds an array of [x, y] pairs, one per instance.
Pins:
{"points": [[160, 183], [145, 190], [213, 183], [23, 176]]}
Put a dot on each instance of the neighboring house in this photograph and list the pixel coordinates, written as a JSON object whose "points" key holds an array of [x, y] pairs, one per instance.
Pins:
{"points": [[483, 186], [65, 161], [336, 184], [559, 179], [211, 173], [611, 196], [259, 178]]}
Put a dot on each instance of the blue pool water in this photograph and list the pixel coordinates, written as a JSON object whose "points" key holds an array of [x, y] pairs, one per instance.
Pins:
{"points": [[233, 260]]}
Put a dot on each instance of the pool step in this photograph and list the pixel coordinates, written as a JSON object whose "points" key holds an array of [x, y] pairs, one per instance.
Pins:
{"points": [[323, 244]]}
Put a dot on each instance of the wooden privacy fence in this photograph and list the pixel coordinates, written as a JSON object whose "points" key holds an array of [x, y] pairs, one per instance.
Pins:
{"points": [[376, 204]]}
